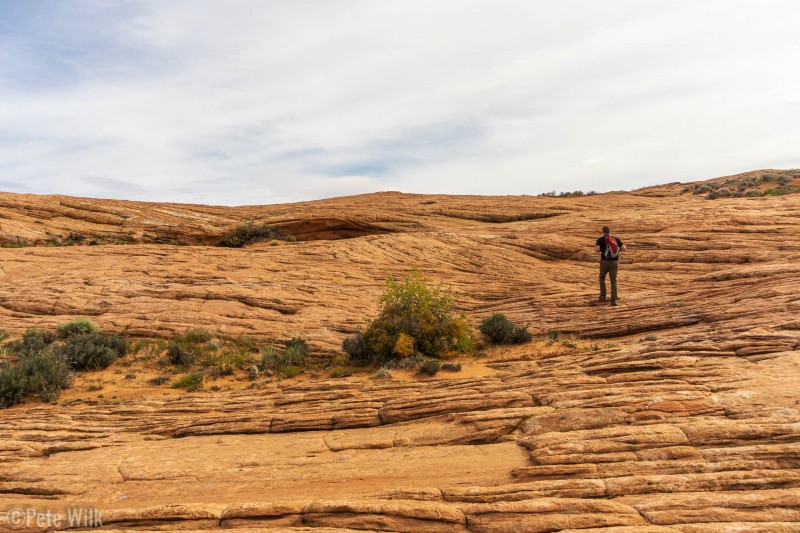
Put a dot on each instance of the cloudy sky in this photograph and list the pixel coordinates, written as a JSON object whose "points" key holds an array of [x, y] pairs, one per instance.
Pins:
{"points": [[240, 101]]}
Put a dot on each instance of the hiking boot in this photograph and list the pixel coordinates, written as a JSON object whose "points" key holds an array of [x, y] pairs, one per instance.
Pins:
{"points": [[602, 298], [614, 303]]}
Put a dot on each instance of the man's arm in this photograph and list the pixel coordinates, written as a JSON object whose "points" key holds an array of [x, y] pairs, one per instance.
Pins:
{"points": [[597, 248]]}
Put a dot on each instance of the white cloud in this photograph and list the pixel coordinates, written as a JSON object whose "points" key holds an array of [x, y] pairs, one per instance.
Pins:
{"points": [[251, 101]]}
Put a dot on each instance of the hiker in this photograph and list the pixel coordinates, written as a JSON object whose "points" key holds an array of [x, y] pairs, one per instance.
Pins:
{"points": [[609, 247]]}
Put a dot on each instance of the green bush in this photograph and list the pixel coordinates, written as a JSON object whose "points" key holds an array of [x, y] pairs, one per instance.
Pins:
{"points": [[723, 192], [197, 336], [297, 343], [92, 351], [225, 363], [414, 318], [498, 329], [430, 367], [74, 238], [250, 233], [33, 341], [273, 358], [356, 349], [184, 350], [339, 372], [73, 327], [190, 382], [452, 367], [43, 375], [413, 361], [181, 353], [291, 371], [246, 344], [14, 387]]}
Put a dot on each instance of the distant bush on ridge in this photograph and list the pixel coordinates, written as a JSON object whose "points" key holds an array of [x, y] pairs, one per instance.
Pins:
{"points": [[250, 233]]}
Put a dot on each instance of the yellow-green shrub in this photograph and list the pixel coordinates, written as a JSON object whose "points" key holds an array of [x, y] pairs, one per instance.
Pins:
{"points": [[415, 318]]}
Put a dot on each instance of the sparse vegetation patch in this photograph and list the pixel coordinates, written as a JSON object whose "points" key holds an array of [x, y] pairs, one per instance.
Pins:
{"points": [[251, 233], [190, 382], [92, 351], [73, 327], [498, 329]]}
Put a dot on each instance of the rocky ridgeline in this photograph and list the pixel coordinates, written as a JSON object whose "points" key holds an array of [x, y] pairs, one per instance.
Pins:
{"points": [[680, 413]]}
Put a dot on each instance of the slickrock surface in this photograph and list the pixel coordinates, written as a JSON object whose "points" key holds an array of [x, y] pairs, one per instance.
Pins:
{"points": [[678, 411]]}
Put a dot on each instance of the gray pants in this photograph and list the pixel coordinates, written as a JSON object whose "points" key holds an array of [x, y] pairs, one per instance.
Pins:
{"points": [[610, 268]]}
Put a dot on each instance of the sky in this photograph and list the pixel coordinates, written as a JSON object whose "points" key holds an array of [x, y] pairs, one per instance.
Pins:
{"points": [[262, 101]]}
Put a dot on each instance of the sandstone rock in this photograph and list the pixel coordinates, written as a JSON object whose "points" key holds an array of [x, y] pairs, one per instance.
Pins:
{"points": [[676, 411]]}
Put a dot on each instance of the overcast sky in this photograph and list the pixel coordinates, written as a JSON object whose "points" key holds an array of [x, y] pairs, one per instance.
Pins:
{"points": [[243, 102]]}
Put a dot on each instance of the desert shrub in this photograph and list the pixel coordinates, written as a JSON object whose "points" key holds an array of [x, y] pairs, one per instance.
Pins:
{"points": [[158, 380], [269, 358], [74, 238], [414, 361], [569, 344], [14, 386], [250, 233], [723, 192], [181, 353], [356, 349], [702, 189], [225, 363], [33, 341], [430, 367], [414, 318], [190, 382], [498, 329], [339, 372], [73, 327], [383, 373], [92, 351], [197, 336], [295, 355], [297, 343], [246, 343], [3, 335], [43, 375], [291, 371], [48, 374], [185, 349], [452, 367], [649, 338], [780, 191], [273, 358], [553, 334]]}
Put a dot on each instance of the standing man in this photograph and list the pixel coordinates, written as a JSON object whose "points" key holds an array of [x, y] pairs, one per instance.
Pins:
{"points": [[609, 247]]}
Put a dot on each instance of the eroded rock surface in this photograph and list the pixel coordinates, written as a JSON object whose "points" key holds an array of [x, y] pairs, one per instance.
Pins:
{"points": [[679, 412]]}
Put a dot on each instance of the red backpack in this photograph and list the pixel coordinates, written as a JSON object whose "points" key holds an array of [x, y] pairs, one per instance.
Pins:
{"points": [[612, 247]]}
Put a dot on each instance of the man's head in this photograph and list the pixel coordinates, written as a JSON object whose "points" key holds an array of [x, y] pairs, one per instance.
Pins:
{"points": [[606, 230]]}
